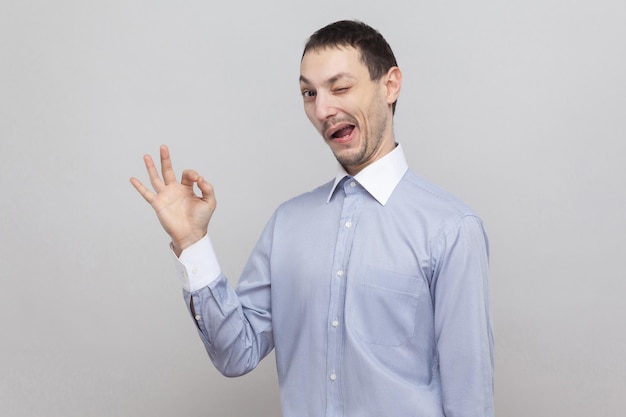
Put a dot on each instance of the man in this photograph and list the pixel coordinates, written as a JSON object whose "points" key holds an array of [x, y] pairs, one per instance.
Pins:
{"points": [[372, 288]]}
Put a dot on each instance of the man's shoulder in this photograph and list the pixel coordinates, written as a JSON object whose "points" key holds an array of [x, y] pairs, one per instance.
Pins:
{"points": [[426, 194], [312, 198]]}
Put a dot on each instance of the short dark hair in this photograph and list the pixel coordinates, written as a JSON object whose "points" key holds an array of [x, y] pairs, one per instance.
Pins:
{"points": [[375, 52]]}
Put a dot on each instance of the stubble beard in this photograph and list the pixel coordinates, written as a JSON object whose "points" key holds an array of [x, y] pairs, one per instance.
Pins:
{"points": [[369, 144]]}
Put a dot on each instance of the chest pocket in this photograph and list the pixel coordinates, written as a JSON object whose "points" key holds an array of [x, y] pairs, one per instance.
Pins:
{"points": [[383, 307]]}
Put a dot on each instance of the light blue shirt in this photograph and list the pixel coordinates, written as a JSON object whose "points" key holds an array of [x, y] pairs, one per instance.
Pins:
{"points": [[373, 291]]}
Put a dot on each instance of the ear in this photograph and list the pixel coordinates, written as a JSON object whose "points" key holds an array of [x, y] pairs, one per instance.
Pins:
{"points": [[393, 83]]}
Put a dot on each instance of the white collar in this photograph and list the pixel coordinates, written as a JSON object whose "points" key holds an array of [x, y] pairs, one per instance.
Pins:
{"points": [[379, 178]]}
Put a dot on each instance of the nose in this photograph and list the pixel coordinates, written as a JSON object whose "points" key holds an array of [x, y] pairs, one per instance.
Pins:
{"points": [[324, 106]]}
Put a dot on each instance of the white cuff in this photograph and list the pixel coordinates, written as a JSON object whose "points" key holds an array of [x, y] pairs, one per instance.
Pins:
{"points": [[197, 266]]}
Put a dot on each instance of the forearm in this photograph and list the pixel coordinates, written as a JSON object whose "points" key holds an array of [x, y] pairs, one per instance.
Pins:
{"points": [[235, 329], [234, 343]]}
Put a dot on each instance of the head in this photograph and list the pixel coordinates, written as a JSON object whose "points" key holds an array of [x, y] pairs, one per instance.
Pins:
{"points": [[375, 52], [350, 83]]}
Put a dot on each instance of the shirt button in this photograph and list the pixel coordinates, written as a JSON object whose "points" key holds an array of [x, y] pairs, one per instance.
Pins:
{"points": [[335, 323], [194, 270], [348, 223], [333, 376], [352, 184], [340, 273], [197, 317]]}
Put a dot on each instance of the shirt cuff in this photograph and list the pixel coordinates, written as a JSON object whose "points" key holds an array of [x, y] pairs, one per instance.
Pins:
{"points": [[197, 266]]}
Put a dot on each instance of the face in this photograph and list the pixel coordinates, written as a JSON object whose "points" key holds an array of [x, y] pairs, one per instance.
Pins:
{"points": [[351, 112]]}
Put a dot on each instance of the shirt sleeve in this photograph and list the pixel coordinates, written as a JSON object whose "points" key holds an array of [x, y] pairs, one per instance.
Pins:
{"points": [[235, 326], [463, 322], [197, 266]]}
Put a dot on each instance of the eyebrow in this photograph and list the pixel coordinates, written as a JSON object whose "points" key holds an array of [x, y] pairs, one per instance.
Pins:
{"points": [[331, 80]]}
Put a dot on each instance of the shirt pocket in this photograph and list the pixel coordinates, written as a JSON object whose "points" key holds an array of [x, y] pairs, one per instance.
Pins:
{"points": [[384, 307]]}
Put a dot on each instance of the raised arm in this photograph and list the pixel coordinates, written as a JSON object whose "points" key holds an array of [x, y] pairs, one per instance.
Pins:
{"points": [[237, 333], [184, 215]]}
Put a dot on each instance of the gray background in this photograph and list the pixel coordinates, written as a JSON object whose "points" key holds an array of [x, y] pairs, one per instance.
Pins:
{"points": [[517, 107]]}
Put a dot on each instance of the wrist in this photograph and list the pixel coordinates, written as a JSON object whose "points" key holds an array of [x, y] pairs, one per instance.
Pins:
{"points": [[179, 245]]}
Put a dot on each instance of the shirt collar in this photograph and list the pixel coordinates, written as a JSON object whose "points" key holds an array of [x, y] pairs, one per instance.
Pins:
{"points": [[379, 178]]}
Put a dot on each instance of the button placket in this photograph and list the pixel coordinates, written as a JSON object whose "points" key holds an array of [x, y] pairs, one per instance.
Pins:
{"points": [[346, 222]]}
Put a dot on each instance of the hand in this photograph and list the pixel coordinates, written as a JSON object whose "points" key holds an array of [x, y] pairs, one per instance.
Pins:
{"points": [[184, 215]]}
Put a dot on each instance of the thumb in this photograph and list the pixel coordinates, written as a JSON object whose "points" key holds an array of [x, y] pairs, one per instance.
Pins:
{"points": [[208, 193]]}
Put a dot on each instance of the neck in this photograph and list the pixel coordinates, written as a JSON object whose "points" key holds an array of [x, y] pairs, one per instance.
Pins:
{"points": [[387, 146]]}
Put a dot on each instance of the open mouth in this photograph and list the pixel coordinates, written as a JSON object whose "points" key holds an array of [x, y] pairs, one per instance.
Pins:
{"points": [[341, 133]]}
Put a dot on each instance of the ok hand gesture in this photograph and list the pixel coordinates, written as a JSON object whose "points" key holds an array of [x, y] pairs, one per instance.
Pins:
{"points": [[184, 215]]}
